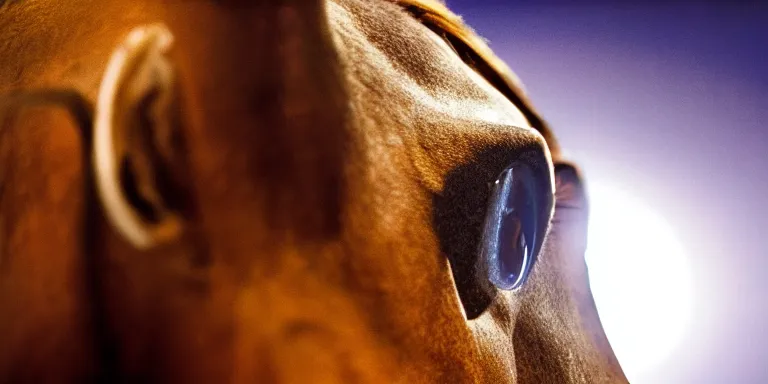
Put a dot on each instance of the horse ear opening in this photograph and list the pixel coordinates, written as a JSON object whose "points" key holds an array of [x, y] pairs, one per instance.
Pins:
{"points": [[135, 140]]}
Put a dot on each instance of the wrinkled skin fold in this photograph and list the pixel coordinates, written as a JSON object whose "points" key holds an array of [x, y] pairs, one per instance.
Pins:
{"points": [[329, 163]]}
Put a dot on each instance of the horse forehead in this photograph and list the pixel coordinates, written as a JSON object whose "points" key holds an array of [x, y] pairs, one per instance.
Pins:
{"points": [[410, 65]]}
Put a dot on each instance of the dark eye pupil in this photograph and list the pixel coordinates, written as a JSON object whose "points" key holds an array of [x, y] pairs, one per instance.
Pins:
{"points": [[511, 228]]}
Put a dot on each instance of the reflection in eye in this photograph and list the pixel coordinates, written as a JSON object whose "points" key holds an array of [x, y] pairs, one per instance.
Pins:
{"points": [[509, 243]]}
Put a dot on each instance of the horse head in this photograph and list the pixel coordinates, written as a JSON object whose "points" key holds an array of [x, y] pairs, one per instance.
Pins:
{"points": [[295, 191]]}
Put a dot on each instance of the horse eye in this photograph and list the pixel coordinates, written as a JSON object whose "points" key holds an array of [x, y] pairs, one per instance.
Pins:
{"points": [[512, 235]]}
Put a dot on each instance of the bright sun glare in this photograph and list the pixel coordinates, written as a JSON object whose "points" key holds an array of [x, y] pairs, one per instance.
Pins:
{"points": [[640, 279]]}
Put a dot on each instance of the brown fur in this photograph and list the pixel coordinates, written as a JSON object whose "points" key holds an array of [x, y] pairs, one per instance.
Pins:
{"points": [[332, 172]]}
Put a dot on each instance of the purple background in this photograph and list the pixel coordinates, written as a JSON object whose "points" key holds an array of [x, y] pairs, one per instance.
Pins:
{"points": [[670, 101]]}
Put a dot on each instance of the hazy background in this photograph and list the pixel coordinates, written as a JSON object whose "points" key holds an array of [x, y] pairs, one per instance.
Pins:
{"points": [[669, 99]]}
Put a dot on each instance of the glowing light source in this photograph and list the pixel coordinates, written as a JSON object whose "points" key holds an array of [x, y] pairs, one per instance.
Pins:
{"points": [[640, 279]]}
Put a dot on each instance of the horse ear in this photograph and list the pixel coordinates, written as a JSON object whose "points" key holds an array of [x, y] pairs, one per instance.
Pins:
{"points": [[570, 188], [571, 204], [134, 140]]}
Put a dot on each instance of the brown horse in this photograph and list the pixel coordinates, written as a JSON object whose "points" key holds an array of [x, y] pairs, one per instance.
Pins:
{"points": [[281, 191]]}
